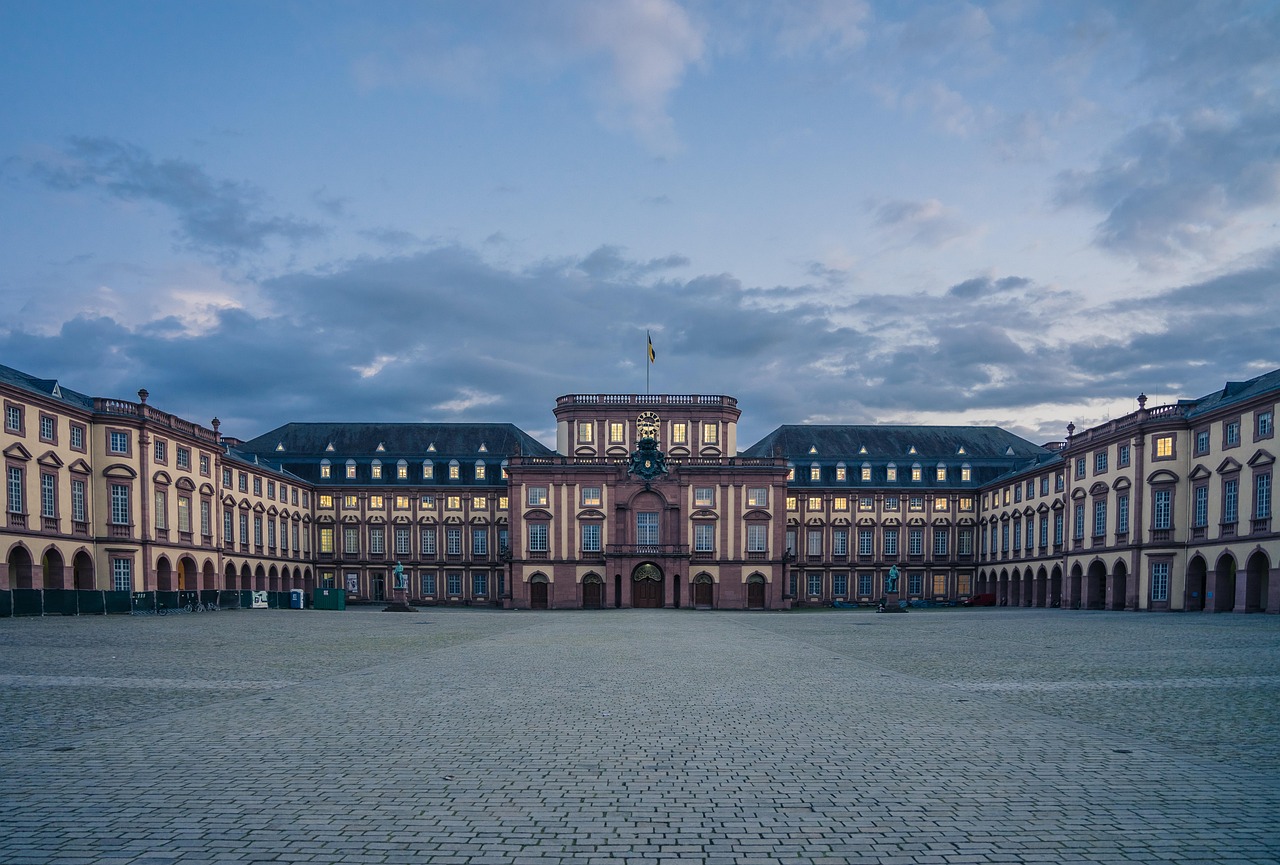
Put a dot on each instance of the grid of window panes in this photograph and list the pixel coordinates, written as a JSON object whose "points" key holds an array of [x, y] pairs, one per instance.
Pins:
{"points": [[1230, 501], [890, 542], [428, 581], [1262, 496], [1161, 509], [454, 583], [840, 584], [537, 537], [915, 583], [122, 575], [864, 584], [703, 537], [479, 584], [119, 504], [1099, 518], [1159, 581], [591, 537], [757, 538], [815, 583]]}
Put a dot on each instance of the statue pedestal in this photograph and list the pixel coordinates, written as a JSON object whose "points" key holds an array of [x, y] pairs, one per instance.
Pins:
{"points": [[399, 603], [891, 604]]}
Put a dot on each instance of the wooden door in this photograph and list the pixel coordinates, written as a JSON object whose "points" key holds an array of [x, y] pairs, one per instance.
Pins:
{"points": [[702, 594], [755, 595], [646, 593], [592, 595], [537, 596]]}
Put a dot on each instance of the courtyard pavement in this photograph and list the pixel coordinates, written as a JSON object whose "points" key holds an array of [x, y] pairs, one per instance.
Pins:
{"points": [[490, 737]]}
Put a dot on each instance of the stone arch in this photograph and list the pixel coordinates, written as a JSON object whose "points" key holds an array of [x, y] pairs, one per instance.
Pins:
{"points": [[1075, 586], [19, 562], [1042, 588], [1257, 571], [53, 572], [1197, 584], [648, 586], [1015, 588], [246, 577], [702, 591], [756, 591], [1095, 586], [1224, 584], [1118, 586], [592, 591], [1002, 587], [208, 576], [273, 579], [1055, 586], [260, 578], [164, 575], [539, 591], [82, 571], [188, 575]]}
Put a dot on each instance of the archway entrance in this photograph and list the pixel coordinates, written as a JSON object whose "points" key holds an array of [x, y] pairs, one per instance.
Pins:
{"points": [[1095, 587], [592, 592], [538, 592], [1257, 570], [377, 586], [82, 568], [755, 592], [646, 586], [1224, 585], [702, 591], [1055, 586], [1197, 579], [187, 581], [51, 566], [164, 575], [1074, 590], [1119, 587]]}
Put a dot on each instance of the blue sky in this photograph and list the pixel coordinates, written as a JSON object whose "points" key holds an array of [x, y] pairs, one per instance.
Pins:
{"points": [[1017, 213]]}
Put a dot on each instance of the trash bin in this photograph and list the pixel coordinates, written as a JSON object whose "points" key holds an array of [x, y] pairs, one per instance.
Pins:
{"points": [[329, 599], [296, 597]]}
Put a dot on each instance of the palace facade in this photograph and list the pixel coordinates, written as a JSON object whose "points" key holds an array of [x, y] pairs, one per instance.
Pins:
{"points": [[645, 501]]}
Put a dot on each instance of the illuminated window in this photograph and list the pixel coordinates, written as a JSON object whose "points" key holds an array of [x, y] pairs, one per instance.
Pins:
{"points": [[966, 503], [792, 503], [376, 469], [479, 503], [480, 470], [453, 503], [377, 503], [428, 470], [891, 473], [917, 473], [349, 501], [941, 473], [840, 503], [710, 433], [815, 503], [402, 503], [586, 432], [680, 433], [940, 503], [815, 472], [455, 470], [591, 497], [842, 474], [351, 469], [402, 470], [866, 471], [966, 473], [1164, 446], [326, 469], [326, 500], [617, 432], [791, 472], [503, 503], [536, 496], [757, 497]]}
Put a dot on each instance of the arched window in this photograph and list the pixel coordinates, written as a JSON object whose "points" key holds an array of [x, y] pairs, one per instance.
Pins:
{"points": [[376, 470], [455, 470], [351, 469], [942, 473], [891, 472], [402, 470], [480, 470], [428, 470], [866, 471], [326, 469], [917, 472]]}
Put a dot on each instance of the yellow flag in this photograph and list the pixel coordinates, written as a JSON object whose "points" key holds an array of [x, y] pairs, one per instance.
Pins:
{"points": [[652, 356]]}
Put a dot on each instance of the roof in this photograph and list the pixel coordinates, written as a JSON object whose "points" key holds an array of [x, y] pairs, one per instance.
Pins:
{"points": [[45, 387], [394, 441], [892, 443], [1235, 392]]}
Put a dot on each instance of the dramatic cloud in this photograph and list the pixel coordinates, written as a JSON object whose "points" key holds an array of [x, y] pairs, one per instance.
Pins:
{"points": [[217, 216]]}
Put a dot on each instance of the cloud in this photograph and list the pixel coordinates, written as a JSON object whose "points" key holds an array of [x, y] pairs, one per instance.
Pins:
{"points": [[218, 216], [925, 223], [985, 286], [1173, 186], [828, 27]]}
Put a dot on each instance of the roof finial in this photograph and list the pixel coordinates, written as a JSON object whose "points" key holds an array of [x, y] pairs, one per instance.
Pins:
{"points": [[1071, 430], [1142, 401], [142, 395]]}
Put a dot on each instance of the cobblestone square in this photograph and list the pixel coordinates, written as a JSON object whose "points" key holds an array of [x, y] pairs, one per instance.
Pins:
{"points": [[477, 736]]}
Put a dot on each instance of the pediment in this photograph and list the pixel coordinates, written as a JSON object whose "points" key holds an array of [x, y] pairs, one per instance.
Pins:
{"points": [[50, 459], [1162, 476], [206, 489], [593, 514], [1198, 473], [1043, 508], [1078, 493], [535, 514], [1099, 489], [1228, 466], [757, 514], [1261, 458], [1122, 484], [80, 467], [185, 484], [700, 514], [161, 478], [16, 451], [119, 470]]}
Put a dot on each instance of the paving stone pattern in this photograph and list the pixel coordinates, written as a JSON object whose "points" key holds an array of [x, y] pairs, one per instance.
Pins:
{"points": [[468, 736]]}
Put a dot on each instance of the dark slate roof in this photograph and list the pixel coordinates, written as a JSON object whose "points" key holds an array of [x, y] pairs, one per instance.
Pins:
{"points": [[399, 440], [1046, 461], [1234, 392], [260, 463], [46, 386], [892, 443]]}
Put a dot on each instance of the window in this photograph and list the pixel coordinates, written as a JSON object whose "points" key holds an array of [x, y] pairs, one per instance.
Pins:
{"points": [[1122, 514], [866, 504], [941, 473], [184, 513], [402, 503], [710, 433], [77, 437], [814, 503], [840, 584], [257, 486], [964, 542], [679, 433], [479, 584], [617, 432], [326, 500], [479, 503], [704, 537], [815, 472], [1202, 442], [537, 537], [1159, 581], [1031, 489], [1162, 515], [377, 540], [591, 537], [915, 503], [428, 579], [453, 503], [704, 497], [228, 529], [453, 541], [1231, 434], [503, 503], [1017, 534], [536, 496], [350, 501], [244, 531], [840, 542], [1264, 425], [48, 428], [271, 532], [13, 419], [1099, 462], [758, 497], [966, 503], [591, 497], [1057, 528], [402, 471], [814, 583], [48, 499], [1057, 478], [271, 489], [120, 511], [891, 473], [480, 470], [1164, 447], [183, 459], [915, 583], [1200, 509], [428, 542], [326, 540], [940, 538], [586, 432], [350, 539], [257, 531], [206, 521], [479, 543], [917, 473], [1230, 501], [453, 582], [1080, 467], [890, 503], [326, 469], [890, 542], [842, 472], [118, 442], [815, 543], [840, 503], [122, 575], [1044, 485], [864, 584], [1078, 527], [1004, 537], [351, 469], [647, 528], [428, 501], [966, 473], [78, 511], [1261, 496], [915, 542], [242, 482], [1099, 518], [428, 470], [865, 542], [1017, 493], [793, 503], [940, 503], [757, 538]]}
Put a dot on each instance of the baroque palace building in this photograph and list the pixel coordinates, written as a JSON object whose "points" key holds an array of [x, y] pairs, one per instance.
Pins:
{"points": [[646, 501]]}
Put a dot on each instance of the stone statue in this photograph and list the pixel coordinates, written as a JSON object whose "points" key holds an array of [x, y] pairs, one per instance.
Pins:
{"points": [[400, 582], [891, 581]]}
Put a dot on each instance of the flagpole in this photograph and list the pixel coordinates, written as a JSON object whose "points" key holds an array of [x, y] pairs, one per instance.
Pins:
{"points": [[647, 362]]}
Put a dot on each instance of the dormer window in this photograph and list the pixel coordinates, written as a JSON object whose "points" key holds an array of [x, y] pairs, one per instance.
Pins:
{"points": [[866, 471], [862, 451], [455, 470], [966, 473], [431, 448], [480, 468], [891, 473], [815, 472], [791, 471], [376, 468], [842, 473], [326, 469], [279, 447], [917, 472], [942, 473], [351, 469], [402, 470], [428, 470]]}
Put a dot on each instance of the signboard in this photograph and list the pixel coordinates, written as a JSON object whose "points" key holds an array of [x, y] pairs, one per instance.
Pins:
{"points": [[259, 601]]}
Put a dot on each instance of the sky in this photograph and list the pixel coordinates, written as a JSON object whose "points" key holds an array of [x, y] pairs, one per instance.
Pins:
{"points": [[837, 211]]}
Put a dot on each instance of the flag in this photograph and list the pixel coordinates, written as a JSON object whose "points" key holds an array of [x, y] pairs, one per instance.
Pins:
{"points": [[652, 356]]}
